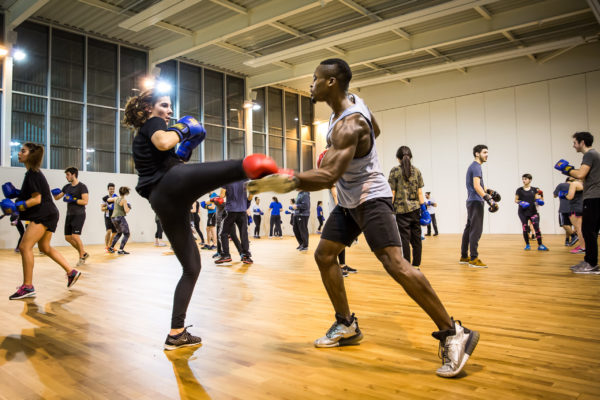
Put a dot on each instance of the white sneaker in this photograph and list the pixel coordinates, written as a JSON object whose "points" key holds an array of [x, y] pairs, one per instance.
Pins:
{"points": [[456, 346], [341, 334], [587, 268]]}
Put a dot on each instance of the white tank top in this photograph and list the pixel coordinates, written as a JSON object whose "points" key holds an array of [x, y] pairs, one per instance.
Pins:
{"points": [[363, 180]]}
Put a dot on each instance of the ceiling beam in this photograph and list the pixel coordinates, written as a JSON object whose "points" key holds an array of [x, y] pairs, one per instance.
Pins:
{"points": [[374, 17], [436, 53], [490, 58], [519, 44], [156, 13], [21, 10], [231, 6], [248, 53], [119, 11], [595, 6], [427, 14], [483, 12], [297, 33], [531, 15], [557, 53], [259, 16]]}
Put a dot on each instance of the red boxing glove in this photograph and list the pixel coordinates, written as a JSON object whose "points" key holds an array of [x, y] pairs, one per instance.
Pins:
{"points": [[321, 158], [218, 200], [540, 192], [259, 165]]}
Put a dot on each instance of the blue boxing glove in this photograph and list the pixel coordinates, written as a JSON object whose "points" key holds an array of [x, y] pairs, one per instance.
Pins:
{"points": [[56, 191], [523, 204], [539, 202], [10, 191], [562, 194], [425, 216], [261, 213], [287, 212], [291, 208], [249, 219], [8, 207], [191, 134], [564, 167], [69, 199], [203, 204]]}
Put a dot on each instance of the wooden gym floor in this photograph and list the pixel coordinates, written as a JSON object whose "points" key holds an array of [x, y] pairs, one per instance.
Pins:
{"points": [[539, 325]]}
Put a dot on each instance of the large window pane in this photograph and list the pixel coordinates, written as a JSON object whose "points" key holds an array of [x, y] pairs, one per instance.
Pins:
{"points": [[307, 119], [213, 97], [235, 144], [291, 115], [66, 122], [235, 102], [292, 160], [213, 144], [100, 152], [275, 112], [133, 70], [168, 74], [259, 143], [28, 125], [125, 140], [308, 156], [67, 65], [31, 74], [276, 149], [190, 90], [102, 73], [258, 111]]}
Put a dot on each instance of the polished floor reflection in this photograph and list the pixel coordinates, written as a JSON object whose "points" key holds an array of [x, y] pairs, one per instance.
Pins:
{"points": [[539, 326]]}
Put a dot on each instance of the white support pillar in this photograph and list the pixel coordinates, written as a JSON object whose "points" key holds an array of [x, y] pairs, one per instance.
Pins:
{"points": [[5, 131]]}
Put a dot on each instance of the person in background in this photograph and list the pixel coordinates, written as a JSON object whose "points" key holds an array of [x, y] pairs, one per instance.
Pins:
{"points": [[564, 212], [195, 221], [275, 220], [257, 213], [575, 197], [431, 206], [301, 216], [320, 216], [211, 223], [107, 209], [527, 197], [159, 233], [236, 207], [121, 208]]}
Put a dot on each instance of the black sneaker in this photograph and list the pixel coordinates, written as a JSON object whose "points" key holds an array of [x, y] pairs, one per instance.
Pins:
{"points": [[111, 250], [567, 241], [247, 260], [303, 249], [344, 272], [72, 278], [22, 292], [223, 260], [349, 270], [122, 252], [574, 239], [216, 255], [184, 339]]}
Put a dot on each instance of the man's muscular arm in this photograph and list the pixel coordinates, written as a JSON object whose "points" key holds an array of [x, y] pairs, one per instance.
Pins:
{"points": [[344, 140]]}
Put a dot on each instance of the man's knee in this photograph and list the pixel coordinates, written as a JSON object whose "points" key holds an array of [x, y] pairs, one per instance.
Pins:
{"points": [[324, 258]]}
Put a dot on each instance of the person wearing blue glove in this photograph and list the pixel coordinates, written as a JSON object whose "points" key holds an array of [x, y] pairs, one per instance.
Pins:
{"points": [[407, 184], [107, 208], [257, 214], [34, 204], [75, 194], [574, 196], [431, 206], [528, 197]]}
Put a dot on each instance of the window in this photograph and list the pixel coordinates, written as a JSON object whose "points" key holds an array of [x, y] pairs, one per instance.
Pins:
{"points": [[28, 125], [133, 69], [308, 156], [235, 102], [168, 74], [275, 119], [67, 65], [259, 138], [292, 148], [102, 73], [190, 95], [213, 144], [66, 122], [31, 74], [236, 146], [213, 97], [125, 141], [307, 119], [100, 151]]}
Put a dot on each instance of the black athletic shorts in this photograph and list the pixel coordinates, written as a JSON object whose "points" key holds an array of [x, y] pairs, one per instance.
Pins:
{"points": [[49, 221], [74, 224], [375, 218], [563, 219], [212, 219], [109, 225]]}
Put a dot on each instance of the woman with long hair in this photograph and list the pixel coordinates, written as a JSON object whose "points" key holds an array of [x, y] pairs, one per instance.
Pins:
{"points": [[120, 211], [406, 182], [171, 187], [34, 204]]}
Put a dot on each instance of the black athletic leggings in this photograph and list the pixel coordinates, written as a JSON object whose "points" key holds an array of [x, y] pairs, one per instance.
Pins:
{"points": [[159, 230], [275, 226], [172, 199], [321, 220], [196, 221], [122, 227], [257, 220], [342, 257], [535, 220]]}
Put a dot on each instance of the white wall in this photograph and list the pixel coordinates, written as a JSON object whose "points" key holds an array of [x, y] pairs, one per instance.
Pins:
{"points": [[527, 127], [140, 219]]}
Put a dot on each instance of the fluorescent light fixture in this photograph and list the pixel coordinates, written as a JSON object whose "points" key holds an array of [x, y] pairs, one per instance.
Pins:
{"points": [[90, 150], [233, 109], [163, 87], [256, 107], [19, 55], [15, 143]]}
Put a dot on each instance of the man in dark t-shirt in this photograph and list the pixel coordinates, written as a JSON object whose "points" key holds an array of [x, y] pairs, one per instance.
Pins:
{"points": [[564, 212], [236, 207], [75, 194], [107, 208], [528, 197]]}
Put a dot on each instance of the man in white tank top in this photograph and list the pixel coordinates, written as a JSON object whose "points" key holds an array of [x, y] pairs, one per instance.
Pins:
{"points": [[364, 206]]}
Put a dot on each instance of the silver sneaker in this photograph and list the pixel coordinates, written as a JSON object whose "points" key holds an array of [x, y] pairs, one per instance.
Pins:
{"points": [[586, 268], [456, 346], [576, 266], [341, 333], [80, 262]]}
